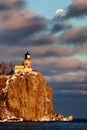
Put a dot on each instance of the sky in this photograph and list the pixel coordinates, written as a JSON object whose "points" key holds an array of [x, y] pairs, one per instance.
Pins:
{"points": [[55, 34]]}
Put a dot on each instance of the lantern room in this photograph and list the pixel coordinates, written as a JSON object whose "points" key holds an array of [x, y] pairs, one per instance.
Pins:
{"points": [[27, 56]]}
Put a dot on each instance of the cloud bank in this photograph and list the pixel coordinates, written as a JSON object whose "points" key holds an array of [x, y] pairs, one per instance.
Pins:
{"points": [[78, 8], [11, 4], [61, 26], [75, 36], [53, 44], [18, 25], [76, 77]]}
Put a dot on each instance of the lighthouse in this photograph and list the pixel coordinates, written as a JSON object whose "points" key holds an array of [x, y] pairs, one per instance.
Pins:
{"points": [[27, 65], [27, 61]]}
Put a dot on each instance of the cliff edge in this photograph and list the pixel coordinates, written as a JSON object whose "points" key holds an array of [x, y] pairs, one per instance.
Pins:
{"points": [[25, 96]]}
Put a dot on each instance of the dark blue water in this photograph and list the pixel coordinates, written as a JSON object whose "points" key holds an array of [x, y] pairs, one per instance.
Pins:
{"points": [[75, 125]]}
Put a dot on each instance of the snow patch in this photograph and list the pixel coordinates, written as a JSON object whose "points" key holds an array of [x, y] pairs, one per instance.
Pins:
{"points": [[45, 118], [34, 72], [14, 77], [7, 85], [46, 99]]}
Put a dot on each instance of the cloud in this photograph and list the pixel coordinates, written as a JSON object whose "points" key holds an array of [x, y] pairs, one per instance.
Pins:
{"points": [[59, 63], [11, 4], [61, 27], [74, 91], [40, 52], [49, 51], [74, 36], [84, 92], [22, 30], [44, 39], [77, 9], [69, 77], [17, 20], [57, 51], [19, 26]]}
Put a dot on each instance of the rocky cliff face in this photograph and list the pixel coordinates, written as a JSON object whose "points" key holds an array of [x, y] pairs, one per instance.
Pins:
{"points": [[26, 96]]}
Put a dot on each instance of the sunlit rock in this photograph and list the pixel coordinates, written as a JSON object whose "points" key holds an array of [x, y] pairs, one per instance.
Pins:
{"points": [[25, 96]]}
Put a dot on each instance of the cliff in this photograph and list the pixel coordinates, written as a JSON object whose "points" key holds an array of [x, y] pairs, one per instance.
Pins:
{"points": [[25, 97]]}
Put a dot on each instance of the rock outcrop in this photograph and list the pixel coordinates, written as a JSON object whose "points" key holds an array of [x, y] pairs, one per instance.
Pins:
{"points": [[25, 97]]}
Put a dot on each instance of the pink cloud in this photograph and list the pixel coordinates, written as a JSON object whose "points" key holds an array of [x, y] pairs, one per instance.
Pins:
{"points": [[11, 4], [20, 20], [44, 39], [74, 36], [17, 27], [17, 23], [78, 8], [79, 77], [59, 63]]}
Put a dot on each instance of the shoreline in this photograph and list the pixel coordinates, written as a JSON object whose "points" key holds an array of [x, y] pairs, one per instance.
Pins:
{"points": [[41, 122]]}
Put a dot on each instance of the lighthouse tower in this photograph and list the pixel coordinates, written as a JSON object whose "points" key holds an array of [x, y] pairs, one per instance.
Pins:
{"points": [[27, 62], [26, 67]]}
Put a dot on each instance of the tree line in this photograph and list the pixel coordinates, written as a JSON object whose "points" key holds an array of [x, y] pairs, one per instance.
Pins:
{"points": [[6, 69]]}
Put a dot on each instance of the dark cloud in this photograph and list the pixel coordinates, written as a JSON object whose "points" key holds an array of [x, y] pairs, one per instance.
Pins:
{"points": [[61, 27], [48, 51], [17, 26], [11, 4], [57, 51], [20, 26], [74, 36], [43, 39], [77, 9]]}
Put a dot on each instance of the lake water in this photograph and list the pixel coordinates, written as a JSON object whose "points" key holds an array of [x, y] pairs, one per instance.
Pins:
{"points": [[75, 125]]}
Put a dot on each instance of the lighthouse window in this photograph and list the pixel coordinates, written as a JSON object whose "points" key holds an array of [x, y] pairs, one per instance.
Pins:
{"points": [[28, 56]]}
